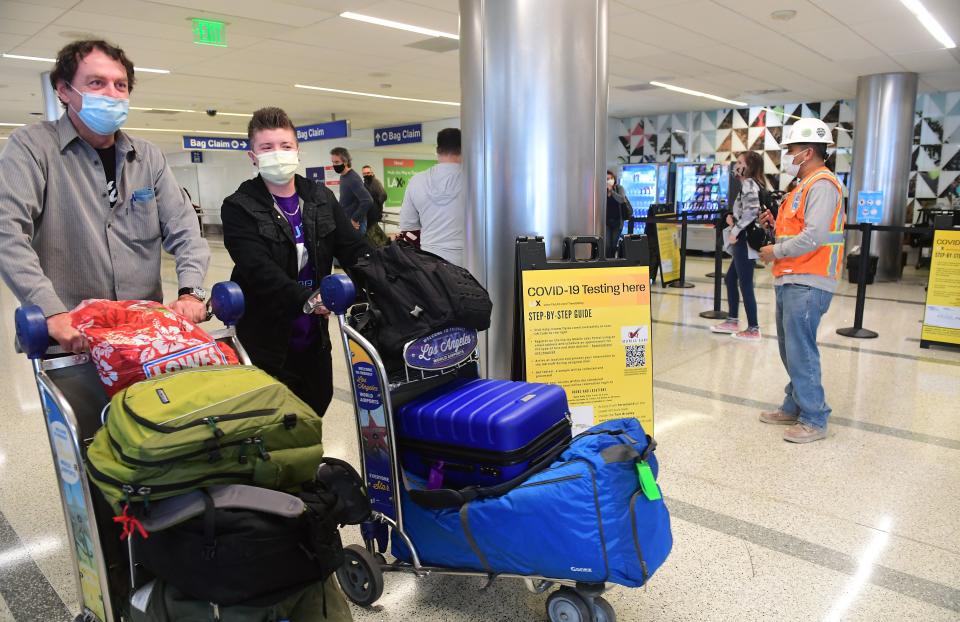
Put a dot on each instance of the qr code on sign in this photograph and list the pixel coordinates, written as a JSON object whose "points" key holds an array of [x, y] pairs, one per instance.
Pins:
{"points": [[636, 356]]}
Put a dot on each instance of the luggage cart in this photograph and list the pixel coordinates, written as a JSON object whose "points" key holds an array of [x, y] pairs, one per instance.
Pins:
{"points": [[376, 394], [73, 401]]}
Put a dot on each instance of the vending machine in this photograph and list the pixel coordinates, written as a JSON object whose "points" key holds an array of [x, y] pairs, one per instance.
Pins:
{"points": [[644, 185], [702, 188]]}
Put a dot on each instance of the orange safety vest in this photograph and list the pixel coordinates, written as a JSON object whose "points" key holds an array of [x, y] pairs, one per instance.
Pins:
{"points": [[827, 260]]}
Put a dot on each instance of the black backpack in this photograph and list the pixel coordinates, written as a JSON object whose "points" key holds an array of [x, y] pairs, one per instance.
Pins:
{"points": [[412, 293], [234, 556]]}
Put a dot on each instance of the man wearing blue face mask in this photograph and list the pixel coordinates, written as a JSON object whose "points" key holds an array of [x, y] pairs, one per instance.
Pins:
{"points": [[85, 209]]}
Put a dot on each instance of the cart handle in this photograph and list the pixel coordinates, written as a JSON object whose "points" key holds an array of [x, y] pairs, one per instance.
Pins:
{"points": [[338, 293], [32, 336]]}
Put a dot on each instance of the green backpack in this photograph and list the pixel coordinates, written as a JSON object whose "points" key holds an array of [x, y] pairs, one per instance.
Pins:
{"points": [[193, 428]]}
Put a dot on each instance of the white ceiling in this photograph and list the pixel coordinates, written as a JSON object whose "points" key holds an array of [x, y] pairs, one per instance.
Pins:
{"points": [[731, 48]]}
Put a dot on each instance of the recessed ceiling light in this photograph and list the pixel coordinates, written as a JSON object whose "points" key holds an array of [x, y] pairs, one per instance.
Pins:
{"points": [[377, 95], [783, 15], [389, 23], [929, 22], [43, 59], [680, 89]]}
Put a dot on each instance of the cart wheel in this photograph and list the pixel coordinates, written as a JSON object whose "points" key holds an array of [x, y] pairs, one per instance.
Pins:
{"points": [[360, 576], [565, 605], [603, 611]]}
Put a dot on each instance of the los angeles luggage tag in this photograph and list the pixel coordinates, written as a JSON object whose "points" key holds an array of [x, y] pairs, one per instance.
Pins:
{"points": [[647, 482]]}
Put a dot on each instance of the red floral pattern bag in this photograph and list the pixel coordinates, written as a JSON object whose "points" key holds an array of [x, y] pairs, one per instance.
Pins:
{"points": [[131, 340]]}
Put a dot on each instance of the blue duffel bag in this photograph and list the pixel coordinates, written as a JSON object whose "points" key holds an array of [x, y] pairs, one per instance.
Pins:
{"points": [[585, 517]]}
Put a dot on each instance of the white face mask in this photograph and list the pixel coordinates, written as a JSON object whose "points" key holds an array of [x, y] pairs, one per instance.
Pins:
{"points": [[739, 169], [610, 182], [278, 167], [787, 165]]}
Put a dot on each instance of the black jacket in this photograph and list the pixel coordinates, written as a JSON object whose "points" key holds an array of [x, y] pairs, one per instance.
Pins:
{"points": [[264, 252]]}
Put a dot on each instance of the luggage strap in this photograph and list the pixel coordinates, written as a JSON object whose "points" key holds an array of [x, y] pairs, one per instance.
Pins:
{"points": [[175, 510], [443, 498]]}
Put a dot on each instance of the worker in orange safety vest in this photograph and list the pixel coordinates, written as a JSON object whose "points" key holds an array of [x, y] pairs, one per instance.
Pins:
{"points": [[807, 261]]}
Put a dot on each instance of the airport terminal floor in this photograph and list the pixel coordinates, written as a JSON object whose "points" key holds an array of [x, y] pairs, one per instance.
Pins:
{"points": [[862, 526]]}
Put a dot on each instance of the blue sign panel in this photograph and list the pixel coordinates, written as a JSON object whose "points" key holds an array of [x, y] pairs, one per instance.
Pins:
{"points": [[870, 207], [399, 135], [315, 173], [215, 143], [447, 348], [323, 131], [196, 157]]}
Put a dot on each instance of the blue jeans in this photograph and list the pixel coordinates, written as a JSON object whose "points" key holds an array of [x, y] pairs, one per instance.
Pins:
{"points": [[799, 309], [613, 238], [741, 272]]}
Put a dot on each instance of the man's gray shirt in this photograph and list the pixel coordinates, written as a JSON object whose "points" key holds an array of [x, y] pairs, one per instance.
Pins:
{"points": [[63, 243]]}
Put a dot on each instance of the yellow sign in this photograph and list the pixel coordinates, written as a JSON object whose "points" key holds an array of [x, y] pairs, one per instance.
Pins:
{"points": [[668, 238], [941, 319], [588, 330]]}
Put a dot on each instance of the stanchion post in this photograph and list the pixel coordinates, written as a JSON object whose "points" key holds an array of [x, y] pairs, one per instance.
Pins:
{"points": [[717, 274], [718, 269], [682, 282], [857, 331]]}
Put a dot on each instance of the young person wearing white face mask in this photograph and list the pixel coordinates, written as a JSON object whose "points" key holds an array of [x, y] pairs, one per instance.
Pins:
{"points": [[283, 231]]}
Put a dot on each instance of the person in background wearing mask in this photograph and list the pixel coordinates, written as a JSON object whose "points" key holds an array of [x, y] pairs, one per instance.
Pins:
{"points": [[375, 234], [618, 211], [283, 231], [807, 261], [85, 208], [748, 170], [433, 211], [354, 198]]}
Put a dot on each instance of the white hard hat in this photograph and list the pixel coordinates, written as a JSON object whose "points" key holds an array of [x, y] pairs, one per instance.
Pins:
{"points": [[809, 131]]}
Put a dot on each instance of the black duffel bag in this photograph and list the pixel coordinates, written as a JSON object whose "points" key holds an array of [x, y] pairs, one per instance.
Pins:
{"points": [[257, 558], [413, 293]]}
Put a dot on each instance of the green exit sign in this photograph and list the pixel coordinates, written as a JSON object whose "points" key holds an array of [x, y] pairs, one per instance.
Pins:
{"points": [[209, 32]]}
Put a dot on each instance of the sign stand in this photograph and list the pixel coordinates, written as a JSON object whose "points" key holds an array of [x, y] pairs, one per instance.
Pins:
{"points": [[941, 317], [585, 325]]}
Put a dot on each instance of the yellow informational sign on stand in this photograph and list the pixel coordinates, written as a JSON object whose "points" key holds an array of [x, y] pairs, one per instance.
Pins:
{"points": [[668, 238], [941, 319], [588, 330]]}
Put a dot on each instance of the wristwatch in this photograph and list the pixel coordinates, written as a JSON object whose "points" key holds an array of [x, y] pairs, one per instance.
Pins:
{"points": [[197, 292]]}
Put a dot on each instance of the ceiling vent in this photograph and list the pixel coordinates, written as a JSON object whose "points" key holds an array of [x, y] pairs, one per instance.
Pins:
{"points": [[765, 91], [436, 44]]}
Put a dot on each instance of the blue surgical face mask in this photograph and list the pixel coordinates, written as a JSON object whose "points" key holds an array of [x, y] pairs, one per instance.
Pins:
{"points": [[102, 114]]}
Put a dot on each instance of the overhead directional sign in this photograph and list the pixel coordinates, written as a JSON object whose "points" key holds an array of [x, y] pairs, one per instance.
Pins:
{"points": [[399, 135], [323, 131], [215, 143]]}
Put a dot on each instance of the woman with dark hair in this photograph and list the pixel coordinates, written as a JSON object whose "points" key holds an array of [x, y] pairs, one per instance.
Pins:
{"points": [[618, 210], [749, 170]]}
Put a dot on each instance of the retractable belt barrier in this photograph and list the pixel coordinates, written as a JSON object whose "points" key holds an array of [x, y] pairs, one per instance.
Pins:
{"points": [[857, 331], [673, 219]]}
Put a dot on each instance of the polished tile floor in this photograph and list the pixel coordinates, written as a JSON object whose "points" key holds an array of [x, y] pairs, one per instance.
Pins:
{"points": [[862, 526]]}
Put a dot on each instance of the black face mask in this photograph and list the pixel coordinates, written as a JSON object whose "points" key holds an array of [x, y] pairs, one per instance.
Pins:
{"points": [[339, 168], [367, 179]]}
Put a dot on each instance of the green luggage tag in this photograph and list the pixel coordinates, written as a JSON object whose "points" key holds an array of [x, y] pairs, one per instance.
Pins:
{"points": [[647, 482]]}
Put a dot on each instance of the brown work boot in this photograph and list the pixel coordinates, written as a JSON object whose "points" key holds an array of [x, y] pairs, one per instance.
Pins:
{"points": [[803, 433], [778, 417]]}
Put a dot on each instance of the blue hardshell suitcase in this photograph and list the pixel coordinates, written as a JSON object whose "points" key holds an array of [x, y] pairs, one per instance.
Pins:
{"points": [[481, 432]]}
